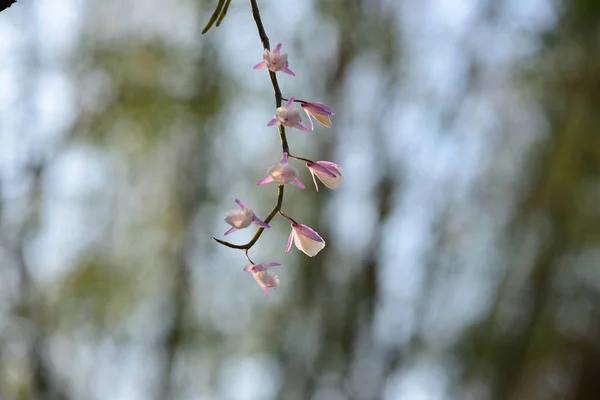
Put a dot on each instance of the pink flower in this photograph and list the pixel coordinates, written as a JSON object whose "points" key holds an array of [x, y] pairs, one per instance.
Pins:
{"points": [[282, 173], [275, 61], [288, 116], [240, 219], [305, 239], [327, 172], [319, 112], [263, 277]]}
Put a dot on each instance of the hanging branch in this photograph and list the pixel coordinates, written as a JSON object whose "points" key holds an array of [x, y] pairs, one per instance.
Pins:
{"points": [[305, 238]]}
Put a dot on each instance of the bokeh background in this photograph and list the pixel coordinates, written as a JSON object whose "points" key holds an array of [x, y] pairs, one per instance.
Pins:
{"points": [[463, 247]]}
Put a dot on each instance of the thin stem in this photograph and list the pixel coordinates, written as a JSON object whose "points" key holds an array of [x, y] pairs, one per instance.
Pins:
{"points": [[248, 257], [290, 218], [277, 91], [296, 100], [301, 158], [285, 148], [259, 25]]}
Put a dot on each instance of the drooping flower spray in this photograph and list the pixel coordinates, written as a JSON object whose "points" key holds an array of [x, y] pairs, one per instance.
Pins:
{"points": [[303, 237]]}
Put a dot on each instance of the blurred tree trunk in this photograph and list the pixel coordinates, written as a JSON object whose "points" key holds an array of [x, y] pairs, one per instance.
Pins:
{"points": [[556, 208]]}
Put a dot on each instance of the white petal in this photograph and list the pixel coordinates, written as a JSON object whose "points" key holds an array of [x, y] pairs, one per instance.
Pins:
{"points": [[330, 182], [266, 280], [307, 245]]}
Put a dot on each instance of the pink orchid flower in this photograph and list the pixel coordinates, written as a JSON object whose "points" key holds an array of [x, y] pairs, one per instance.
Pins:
{"points": [[282, 173], [275, 61], [262, 276], [329, 173], [240, 219], [319, 111], [288, 116], [306, 240]]}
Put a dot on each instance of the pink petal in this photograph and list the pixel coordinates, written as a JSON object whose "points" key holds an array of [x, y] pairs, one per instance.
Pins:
{"points": [[241, 204], [259, 267], [231, 230], [261, 65], [272, 122], [288, 71], [322, 172], [277, 48], [266, 179], [314, 180], [317, 167], [284, 158], [319, 111], [271, 264], [312, 126], [307, 231], [301, 127], [296, 182], [259, 222], [325, 108], [331, 166], [290, 103], [289, 242], [329, 180], [262, 277], [318, 108]]}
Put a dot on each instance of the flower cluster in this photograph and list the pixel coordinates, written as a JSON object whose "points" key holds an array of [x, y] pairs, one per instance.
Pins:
{"points": [[302, 236]]}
